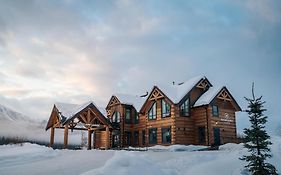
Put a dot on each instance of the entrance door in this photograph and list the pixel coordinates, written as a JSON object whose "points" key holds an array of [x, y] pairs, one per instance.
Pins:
{"points": [[201, 134], [217, 136]]}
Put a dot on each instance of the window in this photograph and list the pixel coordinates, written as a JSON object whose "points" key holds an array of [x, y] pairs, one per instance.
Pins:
{"points": [[136, 138], [152, 136], [152, 112], [128, 115], [166, 109], [185, 108], [166, 135], [136, 119], [116, 117], [143, 137], [215, 110]]}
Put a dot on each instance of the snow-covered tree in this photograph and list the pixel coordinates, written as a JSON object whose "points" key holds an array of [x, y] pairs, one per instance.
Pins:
{"points": [[257, 139]]}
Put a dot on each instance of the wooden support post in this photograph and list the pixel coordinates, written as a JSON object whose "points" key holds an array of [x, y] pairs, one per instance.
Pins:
{"points": [[65, 136], [89, 139], [107, 137], [52, 137]]}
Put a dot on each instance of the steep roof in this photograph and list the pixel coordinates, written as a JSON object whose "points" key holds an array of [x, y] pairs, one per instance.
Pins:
{"points": [[176, 92], [208, 96], [69, 110], [133, 100], [211, 94]]}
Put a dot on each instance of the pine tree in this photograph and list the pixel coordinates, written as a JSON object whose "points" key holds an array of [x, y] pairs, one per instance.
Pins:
{"points": [[257, 139]]}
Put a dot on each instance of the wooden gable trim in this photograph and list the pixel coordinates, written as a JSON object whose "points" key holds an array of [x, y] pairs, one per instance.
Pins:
{"points": [[156, 94], [150, 98], [85, 116], [204, 83], [225, 95], [54, 120], [113, 101]]}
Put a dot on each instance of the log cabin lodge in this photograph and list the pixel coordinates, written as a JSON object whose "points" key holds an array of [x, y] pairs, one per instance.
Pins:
{"points": [[192, 112]]}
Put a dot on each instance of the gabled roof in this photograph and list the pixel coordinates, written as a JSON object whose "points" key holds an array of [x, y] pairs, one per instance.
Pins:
{"points": [[80, 108], [211, 94], [208, 96], [178, 91], [128, 99]]}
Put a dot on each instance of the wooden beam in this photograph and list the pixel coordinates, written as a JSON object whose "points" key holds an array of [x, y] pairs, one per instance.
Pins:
{"points": [[107, 137], [88, 116], [65, 141], [52, 137], [89, 139]]}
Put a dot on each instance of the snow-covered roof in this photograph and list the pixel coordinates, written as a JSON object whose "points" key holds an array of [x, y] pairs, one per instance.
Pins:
{"points": [[208, 96], [133, 100], [69, 110], [178, 91]]}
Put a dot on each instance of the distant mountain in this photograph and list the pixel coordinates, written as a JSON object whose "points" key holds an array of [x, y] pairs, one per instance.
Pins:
{"points": [[7, 114]]}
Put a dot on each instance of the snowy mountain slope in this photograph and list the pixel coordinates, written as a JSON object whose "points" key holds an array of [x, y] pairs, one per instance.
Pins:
{"points": [[11, 115]]}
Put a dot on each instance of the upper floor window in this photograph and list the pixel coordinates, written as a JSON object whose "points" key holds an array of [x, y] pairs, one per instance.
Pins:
{"points": [[166, 109], [116, 117], [215, 110], [128, 115], [184, 108], [136, 119], [152, 112]]}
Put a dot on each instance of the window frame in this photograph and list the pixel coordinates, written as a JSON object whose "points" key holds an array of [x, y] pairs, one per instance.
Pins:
{"points": [[152, 139], [167, 106], [116, 117], [128, 120], [154, 116], [185, 111], [162, 134], [216, 112]]}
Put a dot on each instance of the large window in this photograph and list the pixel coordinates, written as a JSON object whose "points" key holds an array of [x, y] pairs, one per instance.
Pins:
{"points": [[128, 115], [166, 109], [152, 112], [128, 138], [215, 110], [116, 117], [136, 138], [166, 135], [185, 108], [152, 135]]}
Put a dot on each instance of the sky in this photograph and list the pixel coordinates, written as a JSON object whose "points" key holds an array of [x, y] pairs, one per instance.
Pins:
{"points": [[74, 51]]}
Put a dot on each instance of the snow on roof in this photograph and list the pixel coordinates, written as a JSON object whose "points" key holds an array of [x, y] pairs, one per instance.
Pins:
{"points": [[178, 91], [69, 110], [133, 100], [66, 109], [208, 96]]}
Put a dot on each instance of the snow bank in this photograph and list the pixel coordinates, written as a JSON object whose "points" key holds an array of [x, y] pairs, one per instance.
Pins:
{"points": [[176, 148], [124, 162]]}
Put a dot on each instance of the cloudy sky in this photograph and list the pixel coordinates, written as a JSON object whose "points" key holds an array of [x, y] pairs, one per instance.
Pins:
{"points": [[73, 51]]}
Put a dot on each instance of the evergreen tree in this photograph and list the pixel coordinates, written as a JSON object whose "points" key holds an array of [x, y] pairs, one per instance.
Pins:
{"points": [[257, 139]]}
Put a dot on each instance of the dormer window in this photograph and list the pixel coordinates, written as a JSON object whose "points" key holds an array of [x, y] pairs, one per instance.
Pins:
{"points": [[116, 117], [166, 109], [152, 112], [184, 108]]}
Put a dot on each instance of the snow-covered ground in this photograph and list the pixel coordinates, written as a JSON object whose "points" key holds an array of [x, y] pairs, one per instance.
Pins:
{"points": [[173, 160]]}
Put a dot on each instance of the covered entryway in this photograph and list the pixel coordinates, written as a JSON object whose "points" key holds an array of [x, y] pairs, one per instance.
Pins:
{"points": [[82, 117]]}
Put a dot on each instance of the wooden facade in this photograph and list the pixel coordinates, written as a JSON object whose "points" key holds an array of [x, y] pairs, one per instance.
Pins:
{"points": [[192, 112]]}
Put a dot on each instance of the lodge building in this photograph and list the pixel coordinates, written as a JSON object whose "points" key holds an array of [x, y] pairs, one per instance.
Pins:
{"points": [[192, 112]]}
